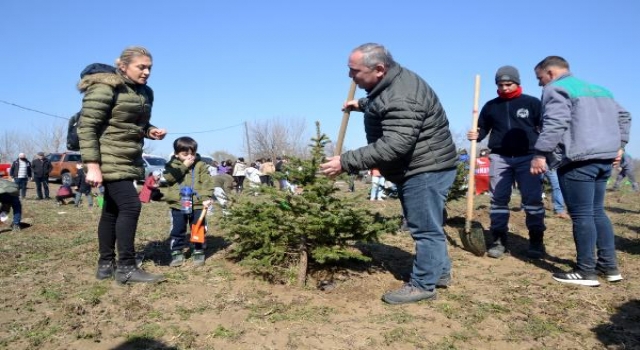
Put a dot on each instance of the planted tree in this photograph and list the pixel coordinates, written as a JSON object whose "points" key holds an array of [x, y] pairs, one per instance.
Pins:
{"points": [[278, 234]]}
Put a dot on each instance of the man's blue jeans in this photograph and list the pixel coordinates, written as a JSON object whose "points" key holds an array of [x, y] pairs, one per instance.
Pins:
{"points": [[22, 185], [423, 197], [377, 187], [42, 182], [179, 223], [558, 200], [583, 186], [13, 201], [504, 172]]}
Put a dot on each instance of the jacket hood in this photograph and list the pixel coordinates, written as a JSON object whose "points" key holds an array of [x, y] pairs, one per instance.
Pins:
{"points": [[99, 73]]}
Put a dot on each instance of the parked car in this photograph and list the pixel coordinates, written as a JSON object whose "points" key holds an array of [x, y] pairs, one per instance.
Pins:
{"points": [[63, 166], [152, 163], [206, 159]]}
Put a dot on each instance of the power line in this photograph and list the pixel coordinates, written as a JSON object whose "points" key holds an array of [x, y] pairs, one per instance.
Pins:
{"points": [[171, 133], [205, 131], [33, 110]]}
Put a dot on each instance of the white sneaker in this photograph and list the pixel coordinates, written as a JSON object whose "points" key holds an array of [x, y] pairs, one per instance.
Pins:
{"points": [[577, 277]]}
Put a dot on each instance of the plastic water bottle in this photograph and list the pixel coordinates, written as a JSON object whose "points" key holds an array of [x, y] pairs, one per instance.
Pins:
{"points": [[186, 200]]}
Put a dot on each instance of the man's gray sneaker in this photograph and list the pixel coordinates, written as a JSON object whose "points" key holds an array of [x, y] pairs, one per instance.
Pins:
{"points": [[496, 250], [177, 259], [444, 281], [408, 294]]}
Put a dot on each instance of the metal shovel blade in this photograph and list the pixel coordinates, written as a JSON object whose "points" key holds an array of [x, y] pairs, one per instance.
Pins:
{"points": [[473, 239]]}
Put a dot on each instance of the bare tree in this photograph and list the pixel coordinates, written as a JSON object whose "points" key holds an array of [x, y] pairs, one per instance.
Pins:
{"points": [[27, 145], [461, 141], [222, 155], [330, 149], [50, 138], [9, 147], [275, 137]]}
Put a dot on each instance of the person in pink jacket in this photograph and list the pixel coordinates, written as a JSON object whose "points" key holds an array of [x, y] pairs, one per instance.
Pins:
{"points": [[150, 188]]}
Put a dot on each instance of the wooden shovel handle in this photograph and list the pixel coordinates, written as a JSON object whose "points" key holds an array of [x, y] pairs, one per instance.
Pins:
{"points": [[471, 190], [203, 213], [345, 121]]}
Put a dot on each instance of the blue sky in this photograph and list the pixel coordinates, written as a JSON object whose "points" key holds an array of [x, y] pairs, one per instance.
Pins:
{"points": [[217, 65]]}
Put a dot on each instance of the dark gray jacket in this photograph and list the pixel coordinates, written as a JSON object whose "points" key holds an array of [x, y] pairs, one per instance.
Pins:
{"points": [[41, 167], [407, 129]]}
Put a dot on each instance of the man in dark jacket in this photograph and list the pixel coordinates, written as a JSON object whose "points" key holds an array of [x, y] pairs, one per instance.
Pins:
{"points": [[512, 121], [410, 143], [41, 167], [21, 173]]}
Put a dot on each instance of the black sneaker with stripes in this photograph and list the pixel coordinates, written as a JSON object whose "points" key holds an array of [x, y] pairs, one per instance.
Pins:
{"points": [[611, 275], [577, 277]]}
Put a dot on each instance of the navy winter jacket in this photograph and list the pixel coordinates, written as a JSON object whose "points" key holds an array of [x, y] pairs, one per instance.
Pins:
{"points": [[513, 125]]}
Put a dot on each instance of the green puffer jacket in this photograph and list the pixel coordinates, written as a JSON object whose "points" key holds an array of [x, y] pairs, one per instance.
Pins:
{"points": [[177, 175], [113, 123], [224, 181], [407, 129]]}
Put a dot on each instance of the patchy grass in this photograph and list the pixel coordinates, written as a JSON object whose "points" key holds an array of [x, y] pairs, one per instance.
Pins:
{"points": [[50, 299], [225, 333]]}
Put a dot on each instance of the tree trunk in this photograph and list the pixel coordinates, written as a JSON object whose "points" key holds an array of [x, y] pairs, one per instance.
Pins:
{"points": [[302, 265]]}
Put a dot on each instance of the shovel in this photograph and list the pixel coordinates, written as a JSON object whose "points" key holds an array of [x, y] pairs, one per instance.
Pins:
{"points": [[197, 229], [473, 235], [345, 121]]}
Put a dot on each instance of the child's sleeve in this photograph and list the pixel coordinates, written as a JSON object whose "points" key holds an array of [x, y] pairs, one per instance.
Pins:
{"points": [[174, 172]]}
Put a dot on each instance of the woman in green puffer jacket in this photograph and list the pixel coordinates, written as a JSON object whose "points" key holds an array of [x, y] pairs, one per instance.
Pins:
{"points": [[114, 120]]}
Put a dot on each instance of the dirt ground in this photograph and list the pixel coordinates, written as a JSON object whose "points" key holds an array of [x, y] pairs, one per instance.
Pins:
{"points": [[49, 298]]}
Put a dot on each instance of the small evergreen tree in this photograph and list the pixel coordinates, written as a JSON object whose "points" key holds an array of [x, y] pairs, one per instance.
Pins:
{"points": [[460, 184], [278, 233]]}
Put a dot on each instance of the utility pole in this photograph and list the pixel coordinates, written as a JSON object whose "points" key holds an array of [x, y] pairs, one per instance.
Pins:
{"points": [[246, 130]]}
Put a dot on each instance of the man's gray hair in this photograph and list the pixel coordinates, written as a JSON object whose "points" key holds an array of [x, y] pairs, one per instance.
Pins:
{"points": [[374, 54]]}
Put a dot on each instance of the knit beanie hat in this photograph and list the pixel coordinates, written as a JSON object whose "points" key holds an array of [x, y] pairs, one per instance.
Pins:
{"points": [[508, 73]]}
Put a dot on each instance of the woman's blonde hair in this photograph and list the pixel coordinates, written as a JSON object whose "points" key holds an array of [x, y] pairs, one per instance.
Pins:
{"points": [[129, 53]]}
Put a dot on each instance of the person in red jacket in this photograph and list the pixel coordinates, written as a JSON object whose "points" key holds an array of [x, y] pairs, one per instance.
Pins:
{"points": [[482, 172], [150, 189]]}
